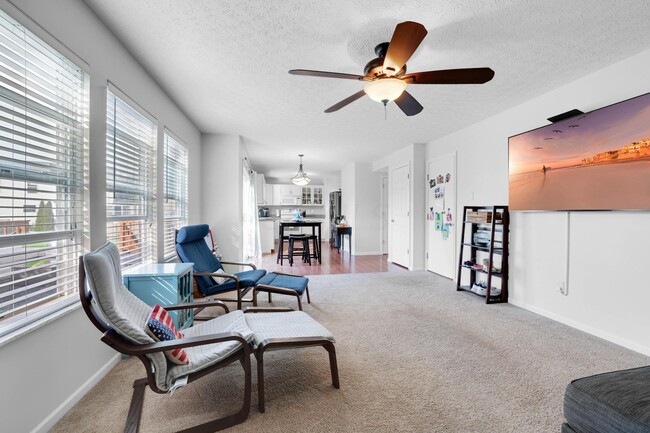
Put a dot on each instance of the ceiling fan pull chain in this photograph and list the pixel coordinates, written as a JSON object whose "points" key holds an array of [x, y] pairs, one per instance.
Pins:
{"points": [[385, 102]]}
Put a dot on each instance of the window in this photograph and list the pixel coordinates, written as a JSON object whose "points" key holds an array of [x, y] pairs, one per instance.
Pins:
{"points": [[130, 182], [43, 142], [175, 191]]}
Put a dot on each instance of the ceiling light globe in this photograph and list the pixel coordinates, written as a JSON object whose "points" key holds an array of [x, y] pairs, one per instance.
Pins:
{"points": [[385, 89], [300, 181]]}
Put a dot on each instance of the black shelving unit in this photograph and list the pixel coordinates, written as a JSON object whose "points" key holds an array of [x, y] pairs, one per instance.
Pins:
{"points": [[487, 246]]}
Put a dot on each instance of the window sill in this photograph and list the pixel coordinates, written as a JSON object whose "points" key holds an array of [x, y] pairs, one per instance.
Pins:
{"points": [[27, 329]]}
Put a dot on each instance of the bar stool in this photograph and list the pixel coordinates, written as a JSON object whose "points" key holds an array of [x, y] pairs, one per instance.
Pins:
{"points": [[316, 248], [304, 251], [281, 255]]}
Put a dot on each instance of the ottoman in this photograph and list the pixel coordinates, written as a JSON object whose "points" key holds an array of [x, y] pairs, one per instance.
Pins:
{"points": [[291, 329], [618, 401], [282, 284]]}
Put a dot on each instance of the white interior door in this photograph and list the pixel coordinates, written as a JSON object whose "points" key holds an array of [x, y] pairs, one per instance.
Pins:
{"points": [[400, 221], [441, 215]]}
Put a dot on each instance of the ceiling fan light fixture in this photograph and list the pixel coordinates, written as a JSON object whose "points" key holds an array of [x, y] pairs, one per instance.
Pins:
{"points": [[385, 89], [301, 177]]}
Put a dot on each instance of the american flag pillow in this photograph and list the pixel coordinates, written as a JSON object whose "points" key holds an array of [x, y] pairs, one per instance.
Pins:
{"points": [[160, 327]]}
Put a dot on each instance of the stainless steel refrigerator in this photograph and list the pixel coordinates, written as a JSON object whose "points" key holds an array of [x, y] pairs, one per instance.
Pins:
{"points": [[335, 217]]}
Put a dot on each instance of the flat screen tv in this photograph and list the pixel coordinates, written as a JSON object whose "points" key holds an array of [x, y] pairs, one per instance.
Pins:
{"points": [[594, 161]]}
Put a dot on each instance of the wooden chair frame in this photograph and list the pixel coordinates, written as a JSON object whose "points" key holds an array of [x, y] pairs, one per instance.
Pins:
{"points": [[241, 291], [288, 343], [120, 344]]}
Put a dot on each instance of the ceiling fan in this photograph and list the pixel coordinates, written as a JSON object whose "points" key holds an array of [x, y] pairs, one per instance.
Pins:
{"points": [[386, 75]]}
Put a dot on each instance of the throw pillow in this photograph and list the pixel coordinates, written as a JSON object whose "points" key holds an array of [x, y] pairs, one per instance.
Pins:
{"points": [[220, 280], [160, 327]]}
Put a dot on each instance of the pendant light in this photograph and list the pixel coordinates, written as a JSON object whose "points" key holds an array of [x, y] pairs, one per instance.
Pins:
{"points": [[301, 177]]}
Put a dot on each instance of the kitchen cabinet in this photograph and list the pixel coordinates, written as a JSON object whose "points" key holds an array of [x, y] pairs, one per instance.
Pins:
{"points": [[266, 235], [277, 195], [311, 195], [276, 229], [293, 195], [290, 194], [268, 194]]}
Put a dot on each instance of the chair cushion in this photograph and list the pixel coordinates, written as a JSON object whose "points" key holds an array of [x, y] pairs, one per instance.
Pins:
{"points": [[293, 324], [202, 356], [160, 327], [618, 401], [192, 233], [191, 248], [246, 279], [125, 312], [299, 284]]}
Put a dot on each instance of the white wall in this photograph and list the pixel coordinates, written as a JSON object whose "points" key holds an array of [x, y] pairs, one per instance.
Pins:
{"points": [[44, 372], [348, 197], [361, 205], [221, 209], [367, 208], [607, 284]]}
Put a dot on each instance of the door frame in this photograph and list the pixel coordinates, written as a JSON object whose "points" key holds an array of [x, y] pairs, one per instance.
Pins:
{"points": [[383, 219]]}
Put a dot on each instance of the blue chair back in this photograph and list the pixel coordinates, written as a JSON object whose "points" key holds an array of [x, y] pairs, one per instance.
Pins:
{"points": [[192, 248]]}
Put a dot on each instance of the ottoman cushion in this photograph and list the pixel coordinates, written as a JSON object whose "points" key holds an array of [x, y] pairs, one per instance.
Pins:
{"points": [[618, 401], [272, 327], [299, 284]]}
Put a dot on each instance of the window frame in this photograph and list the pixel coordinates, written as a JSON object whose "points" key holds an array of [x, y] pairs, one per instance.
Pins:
{"points": [[182, 199], [72, 225], [144, 246]]}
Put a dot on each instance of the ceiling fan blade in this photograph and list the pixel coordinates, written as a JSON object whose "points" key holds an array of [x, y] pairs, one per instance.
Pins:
{"points": [[345, 102], [406, 39], [325, 74], [408, 104], [451, 76]]}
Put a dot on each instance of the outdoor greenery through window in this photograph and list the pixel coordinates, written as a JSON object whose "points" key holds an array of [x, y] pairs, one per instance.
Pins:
{"points": [[130, 182], [43, 139], [175, 191]]}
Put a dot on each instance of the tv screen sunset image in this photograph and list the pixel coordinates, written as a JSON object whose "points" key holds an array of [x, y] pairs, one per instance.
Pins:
{"points": [[594, 161]]}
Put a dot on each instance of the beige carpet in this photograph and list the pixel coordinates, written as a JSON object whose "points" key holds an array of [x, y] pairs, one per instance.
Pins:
{"points": [[414, 356]]}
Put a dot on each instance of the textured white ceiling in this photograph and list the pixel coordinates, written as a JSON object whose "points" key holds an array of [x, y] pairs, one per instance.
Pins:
{"points": [[225, 63]]}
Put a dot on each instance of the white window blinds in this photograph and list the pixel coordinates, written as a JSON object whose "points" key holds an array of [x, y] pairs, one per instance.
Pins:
{"points": [[43, 158], [130, 182], [175, 191]]}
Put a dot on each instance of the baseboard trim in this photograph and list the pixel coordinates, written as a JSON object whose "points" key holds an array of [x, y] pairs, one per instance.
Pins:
{"points": [[367, 253], [58, 413], [583, 327]]}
